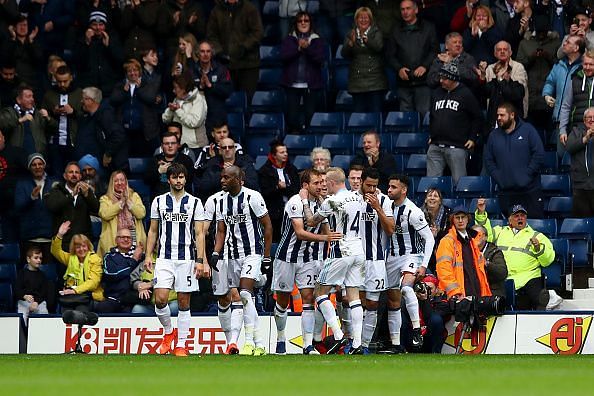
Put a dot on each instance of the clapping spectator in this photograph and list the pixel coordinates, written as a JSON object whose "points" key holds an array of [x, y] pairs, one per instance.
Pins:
{"points": [[320, 158], [120, 209], [32, 287], [481, 35]]}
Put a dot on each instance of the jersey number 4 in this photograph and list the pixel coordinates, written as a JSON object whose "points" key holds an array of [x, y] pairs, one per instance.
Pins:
{"points": [[355, 224]]}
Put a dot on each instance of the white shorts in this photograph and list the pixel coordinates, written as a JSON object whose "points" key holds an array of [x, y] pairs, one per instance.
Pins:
{"points": [[375, 276], [175, 274], [220, 279], [247, 267], [397, 265], [345, 270], [285, 274]]}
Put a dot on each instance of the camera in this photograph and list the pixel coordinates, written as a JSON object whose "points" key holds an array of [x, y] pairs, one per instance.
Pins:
{"points": [[476, 307], [422, 288]]}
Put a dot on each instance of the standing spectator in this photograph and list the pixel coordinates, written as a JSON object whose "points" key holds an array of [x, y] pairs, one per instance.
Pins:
{"points": [[320, 159], [152, 96], [72, 201], [412, 47], [452, 104], [481, 35], [186, 58], [26, 126], [9, 82], [494, 261], [189, 109], [91, 173], [156, 173], [559, 79], [184, 16], [235, 31], [454, 52], [303, 55], [82, 279], [218, 133], [13, 164], [144, 24], [32, 289], [521, 22], [580, 26], [279, 181], [23, 48], [120, 209], [35, 220], [371, 156], [99, 132], [579, 146], [214, 81], [503, 11], [64, 103], [287, 12], [513, 158], [363, 46], [99, 54]]}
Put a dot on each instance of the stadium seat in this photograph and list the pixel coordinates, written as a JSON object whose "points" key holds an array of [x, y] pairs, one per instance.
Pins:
{"points": [[260, 161], [338, 144], [361, 122], [258, 145], [554, 271], [577, 228], [96, 227], [399, 159], [416, 165], [411, 143], [473, 187], [344, 101], [270, 10], [493, 208], [580, 253], [138, 166], [391, 101], [550, 162], [555, 185], [302, 162], [236, 124], [565, 165], [449, 202], [236, 102], [271, 33], [271, 124], [9, 253], [50, 271], [402, 121], [270, 78], [342, 161], [425, 123], [6, 298], [8, 272], [327, 123], [546, 226], [270, 56], [299, 144], [341, 77], [268, 101], [313, 7], [498, 222], [510, 294], [559, 207], [141, 189], [444, 183]]}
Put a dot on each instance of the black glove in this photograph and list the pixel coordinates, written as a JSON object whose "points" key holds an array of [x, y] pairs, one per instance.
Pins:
{"points": [[266, 265], [213, 261]]}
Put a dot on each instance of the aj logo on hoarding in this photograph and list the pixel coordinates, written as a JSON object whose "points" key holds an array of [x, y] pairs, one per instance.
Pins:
{"points": [[567, 336], [476, 341]]}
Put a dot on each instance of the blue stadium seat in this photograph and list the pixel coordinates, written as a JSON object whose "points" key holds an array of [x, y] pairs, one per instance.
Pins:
{"points": [[260, 161], [8, 272], [302, 162], [402, 121], [451, 202], [269, 78], [258, 145], [141, 189], [338, 59], [236, 124], [565, 165], [342, 161], [338, 143], [271, 33], [299, 144], [344, 101], [554, 271], [9, 253], [270, 55], [270, 10], [550, 162], [411, 143], [559, 207], [313, 7], [546, 226], [326, 123], [425, 123], [510, 294], [493, 208], [444, 183], [50, 271], [498, 222], [573, 228], [474, 187], [361, 122], [236, 102], [399, 159], [271, 124], [96, 226], [391, 101], [555, 185], [138, 166], [268, 101], [580, 252], [416, 165], [6, 298]]}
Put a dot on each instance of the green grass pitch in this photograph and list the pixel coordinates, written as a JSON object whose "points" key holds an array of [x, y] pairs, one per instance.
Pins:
{"points": [[110, 375]]}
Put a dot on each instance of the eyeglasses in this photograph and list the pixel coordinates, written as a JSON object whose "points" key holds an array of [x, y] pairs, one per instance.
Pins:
{"points": [[227, 147], [303, 21], [127, 238], [589, 118]]}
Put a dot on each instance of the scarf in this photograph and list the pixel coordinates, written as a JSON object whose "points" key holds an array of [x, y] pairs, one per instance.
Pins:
{"points": [[22, 112], [276, 164], [125, 219]]}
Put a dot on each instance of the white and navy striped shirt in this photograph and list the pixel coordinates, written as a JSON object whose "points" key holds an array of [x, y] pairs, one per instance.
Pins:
{"points": [[375, 240], [409, 221], [176, 226], [241, 215], [291, 248]]}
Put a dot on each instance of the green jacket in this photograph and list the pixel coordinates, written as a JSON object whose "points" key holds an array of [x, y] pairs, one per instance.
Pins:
{"points": [[366, 70], [523, 261], [41, 128]]}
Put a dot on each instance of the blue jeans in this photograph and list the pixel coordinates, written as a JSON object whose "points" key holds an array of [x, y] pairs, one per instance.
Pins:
{"points": [[432, 340]]}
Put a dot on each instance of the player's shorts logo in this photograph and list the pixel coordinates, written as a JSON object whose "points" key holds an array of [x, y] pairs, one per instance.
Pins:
{"points": [[282, 285]]}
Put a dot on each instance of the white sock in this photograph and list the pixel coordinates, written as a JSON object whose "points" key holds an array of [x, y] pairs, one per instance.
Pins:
{"points": [[318, 325], [224, 314], [327, 309], [369, 323], [394, 325], [412, 306], [280, 317], [344, 313], [164, 315], [258, 336], [249, 316], [307, 324], [236, 321], [356, 322], [183, 327]]}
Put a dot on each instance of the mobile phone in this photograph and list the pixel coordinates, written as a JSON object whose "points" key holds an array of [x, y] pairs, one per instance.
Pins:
{"points": [[576, 21]]}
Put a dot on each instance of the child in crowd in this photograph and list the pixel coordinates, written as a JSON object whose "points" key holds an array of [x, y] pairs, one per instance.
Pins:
{"points": [[32, 286]]}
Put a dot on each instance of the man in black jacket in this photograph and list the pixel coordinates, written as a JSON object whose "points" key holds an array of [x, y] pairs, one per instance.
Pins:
{"points": [[455, 122], [371, 156]]}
